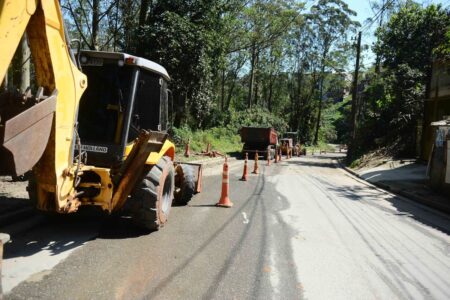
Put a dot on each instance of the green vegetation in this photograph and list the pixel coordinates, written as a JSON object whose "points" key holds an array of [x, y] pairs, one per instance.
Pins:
{"points": [[354, 164], [232, 63], [280, 63], [392, 100], [321, 146], [222, 139]]}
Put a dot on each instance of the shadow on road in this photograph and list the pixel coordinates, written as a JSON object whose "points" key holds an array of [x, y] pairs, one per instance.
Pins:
{"points": [[322, 161], [54, 235], [62, 233], [371, 195], [11, 203], [120, 227]]}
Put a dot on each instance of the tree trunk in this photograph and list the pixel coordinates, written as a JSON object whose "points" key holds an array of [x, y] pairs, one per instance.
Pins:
{"points": [[230, 93], [269, 98], [180, 108], [222, 94], [319, 114], [25, 65], [95, 24], [299, 104], [116, 26], [143, 13], [256, 79], [252, 77]]}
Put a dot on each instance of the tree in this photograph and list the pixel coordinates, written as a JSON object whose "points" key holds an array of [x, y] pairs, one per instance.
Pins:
{"points": [[96, 23], [185, 38], [406, 45], [331, 22]]}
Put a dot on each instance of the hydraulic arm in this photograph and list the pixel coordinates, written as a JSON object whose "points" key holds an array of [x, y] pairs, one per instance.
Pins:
{"points": [[43, 134]]}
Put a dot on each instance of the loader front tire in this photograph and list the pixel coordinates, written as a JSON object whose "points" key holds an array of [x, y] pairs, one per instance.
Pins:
{"points": [[152, 198]]}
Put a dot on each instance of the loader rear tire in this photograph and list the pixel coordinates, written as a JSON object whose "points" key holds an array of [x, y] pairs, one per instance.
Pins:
{"points": [[187, 188], [152, 198]]}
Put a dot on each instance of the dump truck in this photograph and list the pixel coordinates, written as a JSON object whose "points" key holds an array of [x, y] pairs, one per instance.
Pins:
{"points": [[261, 140], [95, 133]]}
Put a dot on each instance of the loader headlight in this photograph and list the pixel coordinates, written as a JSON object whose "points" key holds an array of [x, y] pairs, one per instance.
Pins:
{"points": [[83, 59], [120, 63]]}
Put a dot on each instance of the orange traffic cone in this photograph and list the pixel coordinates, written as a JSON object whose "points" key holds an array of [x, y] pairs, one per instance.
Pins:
{"points": [[255, 169], [224, 200], [245, 174], [187, 151]]}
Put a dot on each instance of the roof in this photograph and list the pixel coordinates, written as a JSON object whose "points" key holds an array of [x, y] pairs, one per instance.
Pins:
{"points": [[441, 123], [138, 61]]}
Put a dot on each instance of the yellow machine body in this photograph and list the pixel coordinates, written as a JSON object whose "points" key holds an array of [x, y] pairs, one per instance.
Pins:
{"points": [[56, 171]]}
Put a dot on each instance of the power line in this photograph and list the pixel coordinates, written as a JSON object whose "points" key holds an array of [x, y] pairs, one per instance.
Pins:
{"points": [[377, 15]]}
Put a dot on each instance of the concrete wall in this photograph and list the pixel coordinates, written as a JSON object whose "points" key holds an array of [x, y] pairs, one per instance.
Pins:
{"points": [[437, 105]]}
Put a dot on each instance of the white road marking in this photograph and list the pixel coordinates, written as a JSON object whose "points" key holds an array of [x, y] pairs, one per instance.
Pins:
{"points": [[246, 220]]}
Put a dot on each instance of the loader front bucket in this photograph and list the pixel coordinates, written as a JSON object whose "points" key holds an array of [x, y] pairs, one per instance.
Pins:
{"points": [[24, 137]]}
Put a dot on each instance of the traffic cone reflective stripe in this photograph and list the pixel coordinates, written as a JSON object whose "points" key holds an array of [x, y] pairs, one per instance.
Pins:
{"points": [[244, 175], [224, 199]]}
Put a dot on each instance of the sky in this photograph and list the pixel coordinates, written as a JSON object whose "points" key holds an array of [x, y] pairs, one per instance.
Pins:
{"points": [[363, 10]]}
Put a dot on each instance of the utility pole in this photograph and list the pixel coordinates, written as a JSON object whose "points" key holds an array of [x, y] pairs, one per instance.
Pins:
{"points": [[378, 58], [351, 149]]}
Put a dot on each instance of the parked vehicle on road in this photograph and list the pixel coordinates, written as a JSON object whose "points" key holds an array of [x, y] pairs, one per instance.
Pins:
{"points": [[259, 139]]}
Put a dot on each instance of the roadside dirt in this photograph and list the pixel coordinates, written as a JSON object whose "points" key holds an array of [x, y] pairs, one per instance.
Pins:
{"points": [[13, 194]]}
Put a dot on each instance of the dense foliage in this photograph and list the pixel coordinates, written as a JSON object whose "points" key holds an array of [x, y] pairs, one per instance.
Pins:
{"points": [[232, 63], [392, 99], [281, 63]]}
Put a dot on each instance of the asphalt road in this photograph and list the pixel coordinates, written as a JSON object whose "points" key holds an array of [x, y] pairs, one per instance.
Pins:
{"points": [[302, 229]]}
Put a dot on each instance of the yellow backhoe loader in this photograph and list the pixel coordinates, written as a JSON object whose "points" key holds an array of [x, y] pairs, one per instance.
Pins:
{"points": [[95, 133]]}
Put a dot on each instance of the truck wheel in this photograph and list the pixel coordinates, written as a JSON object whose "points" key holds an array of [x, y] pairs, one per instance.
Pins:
{"points": [[152, 198], [186, 185]]}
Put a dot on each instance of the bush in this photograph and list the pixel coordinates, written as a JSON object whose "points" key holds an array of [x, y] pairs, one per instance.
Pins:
{"points": [[222, 139]]}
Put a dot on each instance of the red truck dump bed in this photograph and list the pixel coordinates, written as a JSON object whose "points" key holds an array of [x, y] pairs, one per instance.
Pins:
{"points": [[258, 139]]}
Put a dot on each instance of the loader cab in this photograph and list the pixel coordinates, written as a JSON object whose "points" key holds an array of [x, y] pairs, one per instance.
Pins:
{"points": [[124, 95]]}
